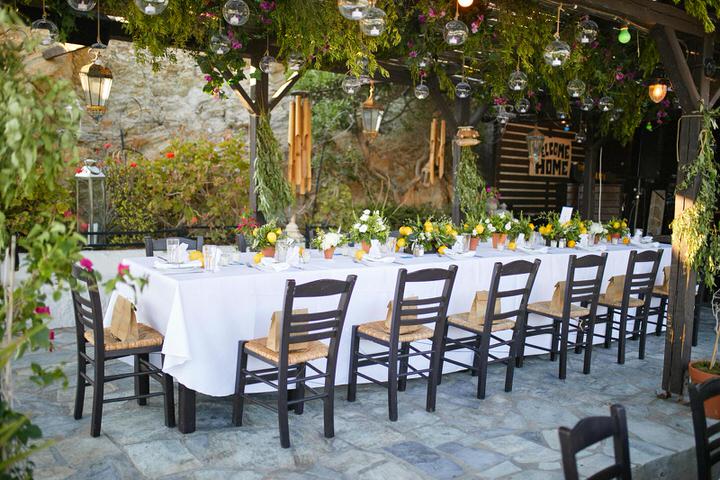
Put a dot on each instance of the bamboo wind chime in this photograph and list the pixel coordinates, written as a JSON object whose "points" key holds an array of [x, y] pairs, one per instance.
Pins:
{"points": [[437, 152], [300, 145]]}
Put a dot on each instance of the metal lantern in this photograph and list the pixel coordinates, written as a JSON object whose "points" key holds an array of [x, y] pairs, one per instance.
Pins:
{"points": [[46, 30], [587, 104], [371, 115], [353, 9], [455, 33], [220, 43], [90, 200], [96, 81], [535, 143], [463, 89], [422, 91], [266, 63], [373, 22], [152, 7], [657, 90], [467, 137], [351, 84]]}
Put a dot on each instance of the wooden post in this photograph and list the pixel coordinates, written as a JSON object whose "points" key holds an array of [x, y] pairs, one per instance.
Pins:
{"points": [[592, 154]]}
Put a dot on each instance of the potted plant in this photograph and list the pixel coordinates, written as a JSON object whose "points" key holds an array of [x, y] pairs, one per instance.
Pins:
{"points": [[265, 238], [445, 235], [476, 229], [552, 231], [499, 224], [703, 370], [574, 229], [245, 227], [596, 231], [521, 226], [327, 242], [370, 226], [616, 228]]}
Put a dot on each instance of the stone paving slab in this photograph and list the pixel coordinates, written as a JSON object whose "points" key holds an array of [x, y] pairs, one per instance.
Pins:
{"points": [[509, 435]]}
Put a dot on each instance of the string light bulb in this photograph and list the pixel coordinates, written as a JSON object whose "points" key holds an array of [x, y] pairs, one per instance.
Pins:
{"points": [[624, 35], [465, 3]]}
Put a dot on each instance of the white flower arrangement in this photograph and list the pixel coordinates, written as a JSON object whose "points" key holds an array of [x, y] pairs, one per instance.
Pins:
{"points": [[370, 226], [327, 240], [596, 228]]}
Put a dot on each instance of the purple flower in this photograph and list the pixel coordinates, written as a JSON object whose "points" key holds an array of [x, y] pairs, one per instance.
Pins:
{"points": [[422, 18], [474, 27], [665, 103], [267, 6], [236, 45], [431, 13], [412, 54], [595, 44], [208, 78], [619, 76]]}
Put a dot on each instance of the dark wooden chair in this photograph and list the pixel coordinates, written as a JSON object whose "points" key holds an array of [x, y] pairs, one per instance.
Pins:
{"points": [[570, 317], [289, 367], [153, 245], [91, 334], [409, 315], [637, 293], [241, 242], [481, 338], [590, 431], [707, 449], [662, 293]]}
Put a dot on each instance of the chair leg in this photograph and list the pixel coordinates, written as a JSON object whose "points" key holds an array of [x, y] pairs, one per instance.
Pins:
{"points": [[142, 382], [442, 353], [98, 393], [476, 356], [80, 387], [587, 361], [661, 319], [609, 326], [433, 375], [554, 336], [564, 327], [579, 336], [520, 351], [283, 410], [240, 380], [402, 379], [329, 406], [300, 390], [392, 383], [621, 337], [510, 371], [352, 374], [643, 332], [483, 353]]}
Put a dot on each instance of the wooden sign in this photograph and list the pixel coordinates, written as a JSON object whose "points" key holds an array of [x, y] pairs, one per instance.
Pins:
{"points": [[556, 158]]}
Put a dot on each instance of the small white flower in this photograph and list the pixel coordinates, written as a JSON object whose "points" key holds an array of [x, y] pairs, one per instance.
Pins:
{"points": [[363, 228], [487, 220], [366, 212], [508, 225], [474, 233], [364, 217], [356, 226], [491, 228]]}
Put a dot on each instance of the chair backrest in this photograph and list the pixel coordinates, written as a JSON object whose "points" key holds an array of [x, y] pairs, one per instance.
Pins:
{"points": [[587, 290], [500, 271], [241, 242], [641, 284], [160, 244], [87, 307], [590, 431], [408, 312], [325, 325], [707, 449]]}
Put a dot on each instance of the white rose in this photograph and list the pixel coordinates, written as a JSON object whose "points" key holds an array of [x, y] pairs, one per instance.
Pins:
{"points": [[363, 228]]}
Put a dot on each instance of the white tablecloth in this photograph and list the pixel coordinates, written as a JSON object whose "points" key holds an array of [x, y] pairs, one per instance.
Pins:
{"points": [[203, 315]]}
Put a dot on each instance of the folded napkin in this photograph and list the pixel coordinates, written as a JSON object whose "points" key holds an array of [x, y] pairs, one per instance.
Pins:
{"points": [[533, 251], [645, 245], [270, 265], [454, 255], [592, 248], [160, 265], [371, 259]]}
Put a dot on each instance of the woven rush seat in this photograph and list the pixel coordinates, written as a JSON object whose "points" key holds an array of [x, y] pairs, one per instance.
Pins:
{"points": [[147, 337], [314, 351], [377, 330], [661, 290], [463, 320], [545, 308], [605, 302]]}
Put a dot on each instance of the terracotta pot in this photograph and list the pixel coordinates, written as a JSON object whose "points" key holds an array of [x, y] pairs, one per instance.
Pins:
{"points": [[268, 251], [712, 406], [474, 243], [366, 246], [329, 253], [498, 239]]}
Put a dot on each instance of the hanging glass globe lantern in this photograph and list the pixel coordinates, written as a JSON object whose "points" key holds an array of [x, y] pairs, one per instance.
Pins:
{"points": [[351, 84], [581, 135], [82, 5], [425, 61], [561, 115], [46, 30], [522, 105], [373, 22], [576, 88], [353, 9], [606, 104], [518, 80], [220, 43], [422, 91], [96, 81], [296, 60], [587, 104], [236, 12], [503, 114], [455, 33], [463, 89], [587, 31], [556, 53], [152, 7], [364, 79], [266, 63], [535, 144]]}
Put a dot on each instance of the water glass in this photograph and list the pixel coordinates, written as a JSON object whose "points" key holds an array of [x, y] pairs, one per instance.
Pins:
{"points": [[173, 246], [390, 246], [209, 254]]}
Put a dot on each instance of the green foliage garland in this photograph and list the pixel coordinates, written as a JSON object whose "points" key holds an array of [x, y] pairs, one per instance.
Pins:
{"points": [[695, 227], [470, 186], [273, 190]]}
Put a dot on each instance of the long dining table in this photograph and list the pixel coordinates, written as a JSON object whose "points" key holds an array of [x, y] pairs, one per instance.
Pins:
{"points": [[203, 315]]}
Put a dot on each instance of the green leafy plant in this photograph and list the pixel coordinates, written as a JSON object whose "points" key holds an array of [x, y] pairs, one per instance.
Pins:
{"points": [[470, 185], [370, 226], [273, 190], [266, 236]]}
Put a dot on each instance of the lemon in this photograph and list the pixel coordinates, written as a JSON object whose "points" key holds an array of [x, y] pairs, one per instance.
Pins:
{"points": [[479, 228], [271, 237], [405, 231], [531, 226], [195, 255], [359, 254], [624, 224], [571, 244], [428, 226], [616, 224], [401, 242], [278, 231], [448, 228], [442, 249], [257, 258], [512, 245], [626, 240], [583, 230]]}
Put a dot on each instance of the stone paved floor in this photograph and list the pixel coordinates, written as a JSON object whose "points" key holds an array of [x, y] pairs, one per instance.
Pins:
{"points": [[506, 436]]}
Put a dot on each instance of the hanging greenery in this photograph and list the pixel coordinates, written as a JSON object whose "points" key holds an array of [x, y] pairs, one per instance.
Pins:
{"points": [[273, 191], [470, 186], [695, 227]]}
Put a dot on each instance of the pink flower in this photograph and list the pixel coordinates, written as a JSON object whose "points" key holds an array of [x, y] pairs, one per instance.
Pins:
{"points": [[619, 76], [123, 269], [412, 54], [474, 27], [133, 164], [107, 146], [235, 45], [208, 78], [87, 264], [42, 310], [67, 213], [431, 13], [422, 19]]}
